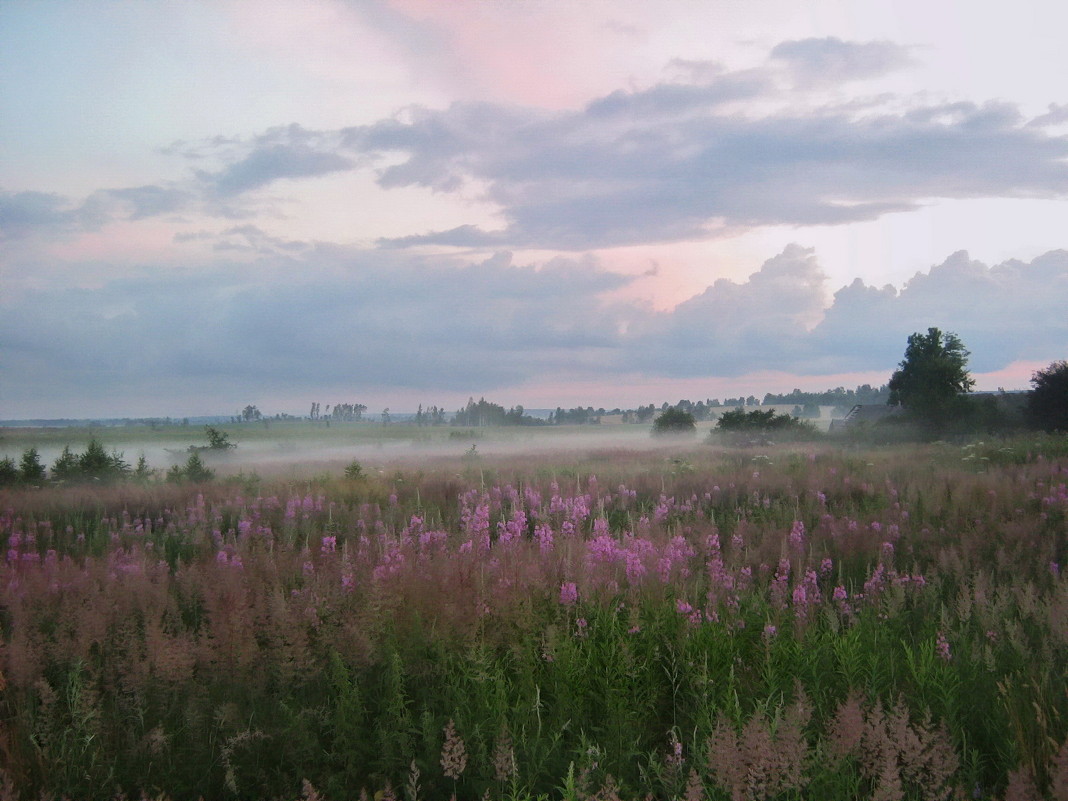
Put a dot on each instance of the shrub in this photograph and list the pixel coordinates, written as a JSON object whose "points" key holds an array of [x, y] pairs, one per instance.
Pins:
{"points": [[194, 471], [740, 424], [674, 421], [1047, 403]]}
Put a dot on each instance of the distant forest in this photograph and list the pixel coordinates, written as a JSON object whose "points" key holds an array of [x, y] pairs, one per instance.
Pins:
{"points": [[481, 413]]}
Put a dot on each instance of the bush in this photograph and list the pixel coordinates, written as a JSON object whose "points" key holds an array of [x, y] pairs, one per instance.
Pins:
{"points": [[757, 424], [194, 471], [1047, 403], [674, 421]]}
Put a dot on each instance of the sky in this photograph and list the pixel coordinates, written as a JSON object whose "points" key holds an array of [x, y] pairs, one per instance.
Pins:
{"points": [[205, 205]]}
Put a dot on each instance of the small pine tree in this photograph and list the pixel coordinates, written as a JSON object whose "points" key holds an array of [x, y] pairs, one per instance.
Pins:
{"points": [[193, 471], [31, 470], [65, 468], [9, 472], [143, 473]]}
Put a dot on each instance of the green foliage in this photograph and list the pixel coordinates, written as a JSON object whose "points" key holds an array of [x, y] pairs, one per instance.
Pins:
{"points": [[932, 379], [193, 471], [218, 440], [1047, 403], [143, 473], [94, 464], [237, 661], [9, 472], [738, 424], [31, 471], [354, 470], [674, 421]]}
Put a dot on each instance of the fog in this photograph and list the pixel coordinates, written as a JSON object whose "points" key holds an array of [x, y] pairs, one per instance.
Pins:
{"points": [[300, 451]]}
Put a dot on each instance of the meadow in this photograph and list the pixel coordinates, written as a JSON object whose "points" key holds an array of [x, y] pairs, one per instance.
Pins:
{"points": [[619, 619]]}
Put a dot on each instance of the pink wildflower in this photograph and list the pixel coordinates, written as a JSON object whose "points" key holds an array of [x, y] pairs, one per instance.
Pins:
{"points": [[942, 647], [568, 593]]}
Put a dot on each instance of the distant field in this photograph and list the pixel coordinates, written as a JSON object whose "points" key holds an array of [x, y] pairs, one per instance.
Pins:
{"points": [[564, 613]]}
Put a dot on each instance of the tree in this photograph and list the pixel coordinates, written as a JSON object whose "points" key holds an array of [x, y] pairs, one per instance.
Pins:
{"points": [[194, 471], [1047, 402], [218, 440], [932, 379], [674, 421], [31, 470], [9, 472]]}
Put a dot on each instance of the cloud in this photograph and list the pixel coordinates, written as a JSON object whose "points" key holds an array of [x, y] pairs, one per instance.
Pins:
{"points": [[332, 319], [265, 165], [724, 152], [682, 161], [150, 201], [26, 214], [1004, 313], [23, 213], [734, 328], [831, 60], [327, 320], [1057, 115]]}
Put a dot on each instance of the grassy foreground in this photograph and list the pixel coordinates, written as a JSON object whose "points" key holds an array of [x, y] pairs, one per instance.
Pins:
{"points": [[794, 623]]}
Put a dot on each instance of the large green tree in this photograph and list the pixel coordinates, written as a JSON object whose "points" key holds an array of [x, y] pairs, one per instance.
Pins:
{"points": [[1047, 403], [932, 379]]}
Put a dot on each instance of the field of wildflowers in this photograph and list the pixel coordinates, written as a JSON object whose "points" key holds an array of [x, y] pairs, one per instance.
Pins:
{"points": [[803, 622]]}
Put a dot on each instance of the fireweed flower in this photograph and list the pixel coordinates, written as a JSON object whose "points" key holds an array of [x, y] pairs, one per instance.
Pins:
{"points": [[568, 593], [942, 647]]}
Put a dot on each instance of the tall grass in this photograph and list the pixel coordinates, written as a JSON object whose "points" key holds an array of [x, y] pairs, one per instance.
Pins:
{"points": [[792, 624]]}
